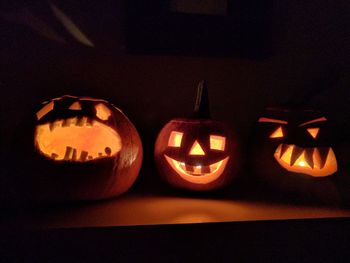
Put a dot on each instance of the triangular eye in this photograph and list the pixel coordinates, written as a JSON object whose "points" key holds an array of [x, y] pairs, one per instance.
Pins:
{"points": [[102, 112], [313, 132], [45, 110], [278, 133], [75, 106]]}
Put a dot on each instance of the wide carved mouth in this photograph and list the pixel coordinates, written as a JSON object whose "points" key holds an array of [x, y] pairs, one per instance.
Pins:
{"points": [[200, 174], [77, 139], [315, 161]]}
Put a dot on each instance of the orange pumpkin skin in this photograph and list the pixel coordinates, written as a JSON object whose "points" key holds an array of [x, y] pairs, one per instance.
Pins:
{"points": [[72, 178], [304, 135], [196, 130]]}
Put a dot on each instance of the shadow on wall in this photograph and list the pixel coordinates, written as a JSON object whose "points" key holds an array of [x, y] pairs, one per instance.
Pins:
{"points": [[49, 49]]}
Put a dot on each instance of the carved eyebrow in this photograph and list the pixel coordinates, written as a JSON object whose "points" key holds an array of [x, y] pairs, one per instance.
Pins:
{"points": [[263, 119], [313, 121]]}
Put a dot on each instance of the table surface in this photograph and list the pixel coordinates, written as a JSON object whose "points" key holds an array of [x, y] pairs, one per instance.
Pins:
{"points": [[137, 209]]}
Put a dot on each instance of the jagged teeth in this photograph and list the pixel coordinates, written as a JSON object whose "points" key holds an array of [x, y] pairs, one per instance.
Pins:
{"points": [[206, 169], [296, 152], [199, 169], [312, 157], [68, 154], [71, 154], [83, 155], [54, 125], [283, 148], [322, 155], [84, 121], [308, 154]]}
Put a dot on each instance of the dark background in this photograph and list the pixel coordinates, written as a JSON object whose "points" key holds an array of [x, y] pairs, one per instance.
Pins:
{"points": [[308, 59]]}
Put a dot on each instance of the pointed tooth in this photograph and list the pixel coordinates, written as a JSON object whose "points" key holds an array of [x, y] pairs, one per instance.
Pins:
{"points": [[83, 155], [205, 169], [284, 148], [68, 153], [74, 121], [308, 154], [183, 166], [51, 126], [189, 168], [89, 122], [197, 170], [74, 155], [79, 122], [108, 151], [212, 167], [278, 149], [65, 123], [323, 154], [296, 152]]}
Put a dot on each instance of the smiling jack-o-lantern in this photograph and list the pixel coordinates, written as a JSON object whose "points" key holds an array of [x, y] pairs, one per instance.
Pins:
{"points": [[85, 149], [197, 153], [293, 150]]}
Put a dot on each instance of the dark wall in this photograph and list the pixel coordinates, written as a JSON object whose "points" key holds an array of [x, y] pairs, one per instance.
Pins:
{"points": [[310, 41]]}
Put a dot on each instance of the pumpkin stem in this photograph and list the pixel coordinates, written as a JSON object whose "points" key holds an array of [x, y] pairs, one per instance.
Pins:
{"points": [[201, 107]]}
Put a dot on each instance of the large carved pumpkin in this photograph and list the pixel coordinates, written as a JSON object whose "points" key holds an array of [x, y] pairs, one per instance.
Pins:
{"points": [[294, 151], [82, 149], [197, 153]]}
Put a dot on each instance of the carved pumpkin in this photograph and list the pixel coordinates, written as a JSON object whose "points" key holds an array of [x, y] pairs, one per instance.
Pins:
{"points": [[294, 150], [85, 149], [197, 153]]}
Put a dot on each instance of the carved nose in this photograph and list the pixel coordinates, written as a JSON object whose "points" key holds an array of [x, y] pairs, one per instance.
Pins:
{"points": [[196, 149]]}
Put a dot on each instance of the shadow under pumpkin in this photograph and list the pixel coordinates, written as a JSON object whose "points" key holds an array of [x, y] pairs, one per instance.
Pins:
{"points": [[294, 151], [80, 148]]}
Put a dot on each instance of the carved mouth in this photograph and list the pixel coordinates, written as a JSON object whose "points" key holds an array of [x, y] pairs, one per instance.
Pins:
{"points": [[198, 174], [77, 139], [317, 162]]}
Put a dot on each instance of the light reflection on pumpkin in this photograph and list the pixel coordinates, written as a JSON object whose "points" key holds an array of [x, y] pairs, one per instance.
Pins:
{"points": [[199, 174], [196, 174], [314, 161], [76, 139], [309, 161]]}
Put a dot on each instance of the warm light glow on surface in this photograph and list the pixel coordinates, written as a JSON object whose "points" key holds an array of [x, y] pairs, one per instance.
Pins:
{"points": [[196, 174], [307, 161], [196, 149], [217, 142], [313, 131], [46, 109], [313, 121], [77, 140], [102, 111], [75, 106], [263, 119], [175, 139], [277, 133], [135, 209]]}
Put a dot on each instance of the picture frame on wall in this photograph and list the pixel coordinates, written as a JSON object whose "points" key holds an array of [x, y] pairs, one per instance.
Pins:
{"points": [[237, 28]]}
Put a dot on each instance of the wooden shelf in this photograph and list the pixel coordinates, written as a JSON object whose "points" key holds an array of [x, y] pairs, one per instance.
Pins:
{"points": [[135, 209]]}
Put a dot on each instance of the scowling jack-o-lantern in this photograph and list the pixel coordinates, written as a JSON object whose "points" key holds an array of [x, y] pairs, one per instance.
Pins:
{"points": [[197, 153], [294, 150], [84, 149]]}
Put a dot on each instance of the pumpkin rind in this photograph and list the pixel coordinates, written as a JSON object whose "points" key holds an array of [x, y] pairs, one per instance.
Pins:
{"points": [[71, 179], [287, 157], [196, 130]]}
